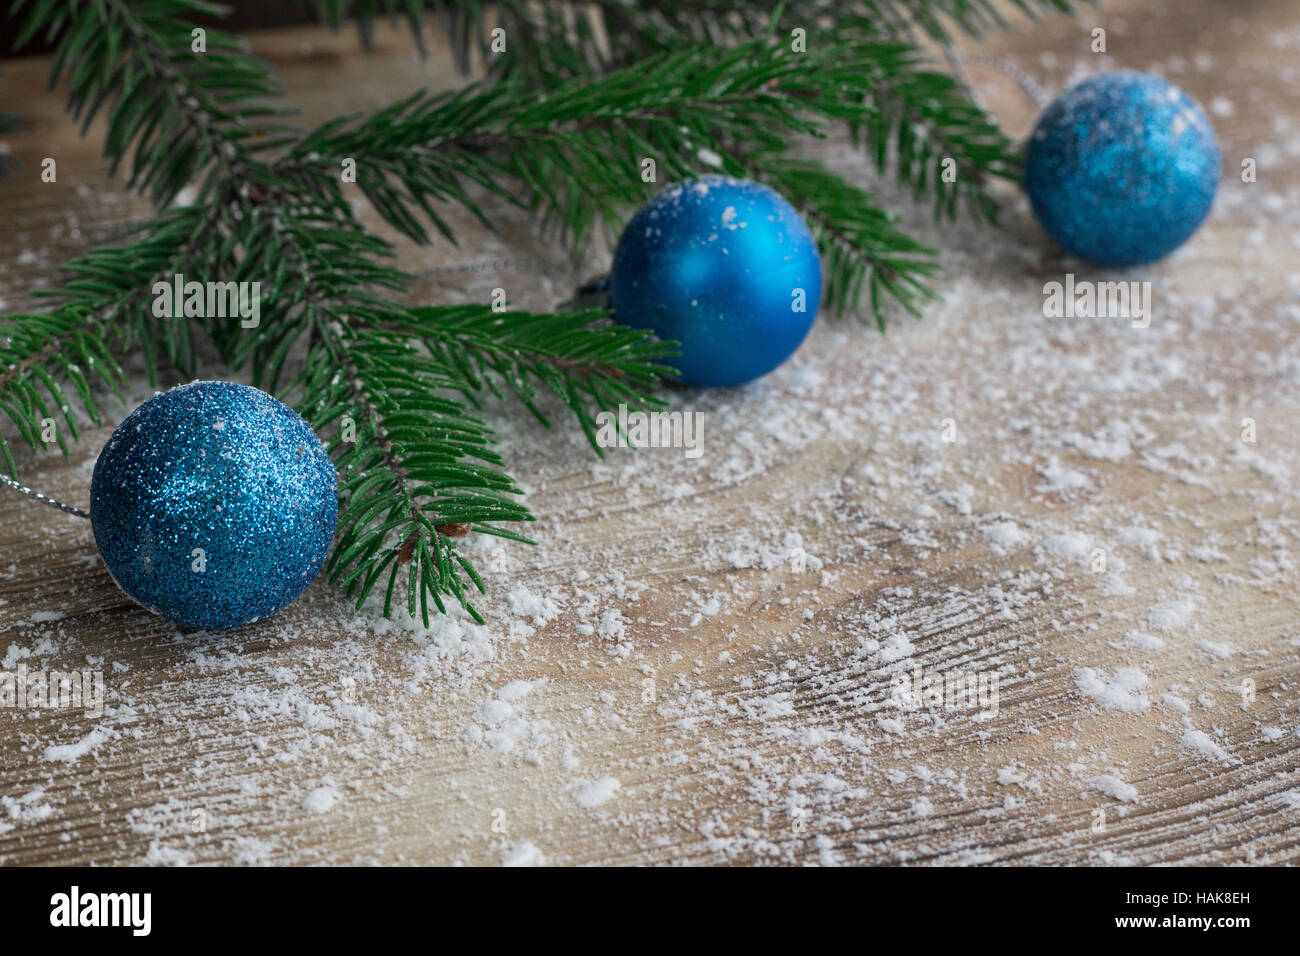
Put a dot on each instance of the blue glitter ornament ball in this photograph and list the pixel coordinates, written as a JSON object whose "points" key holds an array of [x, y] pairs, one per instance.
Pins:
{"points": [[1122, 169], [727, 268], [213, 504]]}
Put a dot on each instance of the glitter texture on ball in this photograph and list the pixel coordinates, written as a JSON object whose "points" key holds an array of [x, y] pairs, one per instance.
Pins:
{"points": [[213, 504], [1122, 168], [727, 268]]}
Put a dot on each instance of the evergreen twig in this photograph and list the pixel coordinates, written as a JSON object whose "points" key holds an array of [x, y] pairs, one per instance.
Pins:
{"points": [[569, 112]]}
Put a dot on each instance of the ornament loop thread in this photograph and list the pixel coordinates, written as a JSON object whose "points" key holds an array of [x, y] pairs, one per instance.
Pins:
{"points": [[43, 499]]}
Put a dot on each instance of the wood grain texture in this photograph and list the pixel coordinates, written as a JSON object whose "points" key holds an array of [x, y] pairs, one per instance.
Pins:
{"points": [[662, 636]]}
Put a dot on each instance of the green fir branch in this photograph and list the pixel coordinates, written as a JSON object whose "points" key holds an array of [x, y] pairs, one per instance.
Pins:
{"points": [[591, 364], [576, 149], [416, 469], [860, 244], [561, 126], [175, 111], [549, 42], [37, 351], [365, 12], [104, 306]]}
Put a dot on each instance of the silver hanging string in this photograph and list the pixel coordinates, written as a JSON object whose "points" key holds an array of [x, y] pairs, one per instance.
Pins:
{"points": [[43, 499], [1028, 85]]}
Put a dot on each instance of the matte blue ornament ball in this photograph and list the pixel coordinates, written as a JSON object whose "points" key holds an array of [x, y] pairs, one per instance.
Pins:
{"points": [[727, 268], [1122, 169], [213, 504]]}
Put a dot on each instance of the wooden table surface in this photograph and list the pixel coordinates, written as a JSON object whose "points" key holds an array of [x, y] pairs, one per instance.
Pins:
{"points": [[696, 663]]}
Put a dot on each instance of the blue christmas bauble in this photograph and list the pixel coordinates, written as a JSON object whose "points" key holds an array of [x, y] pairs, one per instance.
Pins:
{"points": [[213, 504], [727, 268], [1122, 168]]}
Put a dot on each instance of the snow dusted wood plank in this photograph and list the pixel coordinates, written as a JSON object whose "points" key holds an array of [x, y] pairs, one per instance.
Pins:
{"points": [[994, 587]]}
